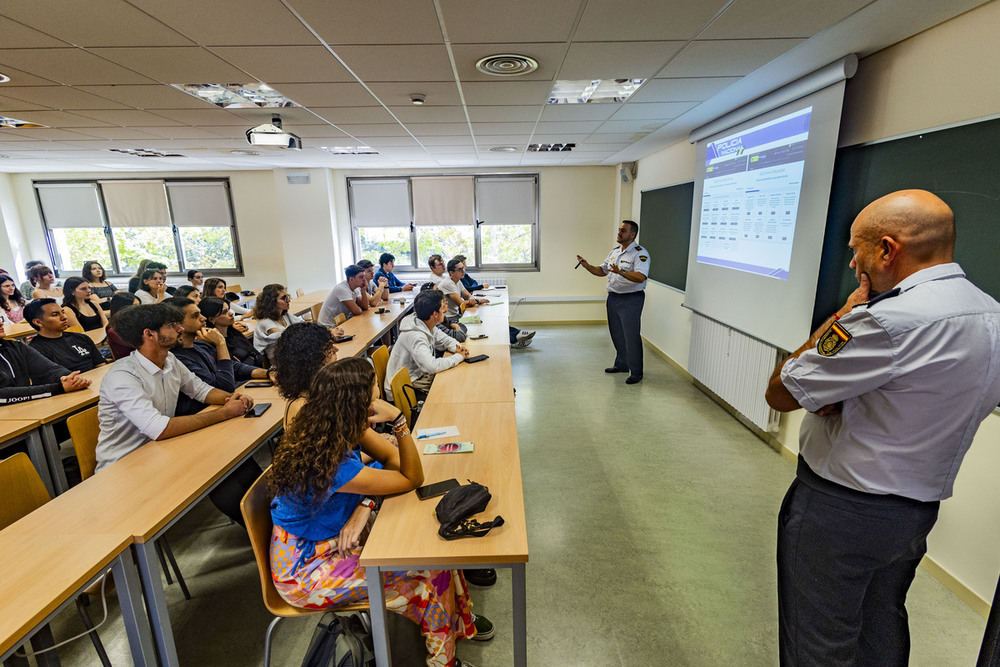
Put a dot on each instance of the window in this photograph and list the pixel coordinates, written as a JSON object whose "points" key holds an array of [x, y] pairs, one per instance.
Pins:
{"points": [[491, 219], [184, 224]]}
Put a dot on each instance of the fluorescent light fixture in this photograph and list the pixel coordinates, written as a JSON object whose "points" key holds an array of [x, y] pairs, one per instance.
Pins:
{"points": [[550, 148], [144, 152], [504, 149], [349, 150], [15, 124], [236, 95], [4, 78], [595, 91], [271, 134]]}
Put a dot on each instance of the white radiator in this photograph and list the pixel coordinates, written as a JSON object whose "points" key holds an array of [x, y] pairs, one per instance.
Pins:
{"points": [[735, 367], [490, 280]]}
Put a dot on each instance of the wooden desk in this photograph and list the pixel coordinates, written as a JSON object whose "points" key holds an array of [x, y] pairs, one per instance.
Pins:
{"points": [[15, 430], [97, 335], [50, 411], [302, 304], [405, 534], [52, 555], [18, 330], [483, 382], [369, 326]]}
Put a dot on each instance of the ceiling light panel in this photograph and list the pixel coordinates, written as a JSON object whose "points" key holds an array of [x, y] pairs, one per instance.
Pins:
{"points": [[596, 91], [15, 124], [236, 95]]}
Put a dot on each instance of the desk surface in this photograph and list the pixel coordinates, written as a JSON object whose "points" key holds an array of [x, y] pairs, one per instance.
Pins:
{"points": [[50, 409], [17, 330], [369, 326], [487, 381], [11, 428], [406, 530], [302, 304]]}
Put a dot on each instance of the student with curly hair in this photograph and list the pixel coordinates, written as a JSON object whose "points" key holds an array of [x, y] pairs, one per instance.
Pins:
{"points": [[318, 481], [271, 313], [11, 301], [298, 355]]}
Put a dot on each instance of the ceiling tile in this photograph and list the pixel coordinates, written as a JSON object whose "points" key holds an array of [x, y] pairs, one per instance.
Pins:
{"points": [[127, 117], [290, 116], [447, 140], [11, 104], [202, 117], [388, 142], [653, 110], [644, 20], [559, 138], [18, 36], [502, 139], [220, 22], [372, 22], [438, 93], [186, 132], [94, 23], [62, 97], [61, 119], [186, 64], [327, 94], [354, 115], [624, 126], [275, 64], [429, 114], [548, 56], [579, 111], [437, 129], [515, 93], [758, 19], [470, 22], [616, 60], [362, 131], [574, 126], [504, 114], [46, 134], [726, 57], [398, 63], [681, 90], [154, 96], [121, 133], [318, 132], [22, 78], [74, 67]]}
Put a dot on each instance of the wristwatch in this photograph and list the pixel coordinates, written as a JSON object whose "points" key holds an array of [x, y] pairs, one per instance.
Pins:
{"points": [[369, 503]]}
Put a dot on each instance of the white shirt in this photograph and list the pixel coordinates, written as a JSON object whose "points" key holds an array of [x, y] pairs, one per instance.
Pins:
{"points": [[262, 340], [145, 297], [632, 258], [436, 279], [448, 286], [138, 398], [333, 305]]}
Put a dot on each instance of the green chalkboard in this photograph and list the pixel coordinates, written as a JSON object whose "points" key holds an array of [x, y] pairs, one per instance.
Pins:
{"points": [[665, 230], [960, 164]]}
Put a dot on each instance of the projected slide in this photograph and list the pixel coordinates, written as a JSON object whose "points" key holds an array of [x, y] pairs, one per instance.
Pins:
{"points": [[751, 196]]}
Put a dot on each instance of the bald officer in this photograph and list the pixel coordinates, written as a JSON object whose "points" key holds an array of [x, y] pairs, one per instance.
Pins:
{"points": [[897, 381], [628, 266]]}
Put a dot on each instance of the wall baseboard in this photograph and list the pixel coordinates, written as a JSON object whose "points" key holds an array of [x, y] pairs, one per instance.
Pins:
{"points": [[542, 323], [948, 580]]}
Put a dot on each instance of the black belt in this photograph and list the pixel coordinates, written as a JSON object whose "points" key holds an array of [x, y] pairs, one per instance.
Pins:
{"points": [[806, 475]]}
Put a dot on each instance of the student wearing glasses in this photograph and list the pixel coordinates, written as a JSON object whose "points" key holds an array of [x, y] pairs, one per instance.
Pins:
{"points": [[271, 313]]}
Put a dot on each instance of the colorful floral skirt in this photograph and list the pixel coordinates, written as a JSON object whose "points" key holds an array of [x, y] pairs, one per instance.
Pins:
{"points": [[437, 600]]}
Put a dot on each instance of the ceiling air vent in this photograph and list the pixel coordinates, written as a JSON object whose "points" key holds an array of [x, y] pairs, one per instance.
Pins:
{"points": [[507, 64]]}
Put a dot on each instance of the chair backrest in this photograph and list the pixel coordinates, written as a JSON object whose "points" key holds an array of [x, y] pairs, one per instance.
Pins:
{"points": [[300, 292], [21, 489], [84, 430], [340, 319], [236, 289], [402, 377], [380, 359], [314, 309], [76, 328], [256, 510], [461, 308]]}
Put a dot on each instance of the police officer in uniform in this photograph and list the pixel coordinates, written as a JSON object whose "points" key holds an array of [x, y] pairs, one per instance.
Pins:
{"points": [[897, 381], [628, 266]]}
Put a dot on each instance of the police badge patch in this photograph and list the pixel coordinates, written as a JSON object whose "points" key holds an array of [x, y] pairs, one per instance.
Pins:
{"points": [[643, 258], [833, 340]]}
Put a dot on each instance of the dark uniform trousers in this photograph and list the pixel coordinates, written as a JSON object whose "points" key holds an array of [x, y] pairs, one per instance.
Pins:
{"points": [[624, 317], [845, 562]]}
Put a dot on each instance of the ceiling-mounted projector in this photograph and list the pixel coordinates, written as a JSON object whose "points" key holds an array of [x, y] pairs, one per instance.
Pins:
{"points": [[271, 134]]}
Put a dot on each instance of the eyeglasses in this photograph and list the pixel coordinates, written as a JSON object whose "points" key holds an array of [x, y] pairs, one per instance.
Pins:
{"points": [[287, 297]]}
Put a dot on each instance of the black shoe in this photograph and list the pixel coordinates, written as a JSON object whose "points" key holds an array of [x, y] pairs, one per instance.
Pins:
{"points": [[484, 629], [615, 369], [633, 379], [482, 577]]}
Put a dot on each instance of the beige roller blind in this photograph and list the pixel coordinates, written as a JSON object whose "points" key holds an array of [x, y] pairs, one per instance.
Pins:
{"points": [[70, 205], [443, 200], [136, 203]]}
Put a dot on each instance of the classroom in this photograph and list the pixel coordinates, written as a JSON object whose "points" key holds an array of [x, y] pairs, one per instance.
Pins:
{"points": [[97, 82]]}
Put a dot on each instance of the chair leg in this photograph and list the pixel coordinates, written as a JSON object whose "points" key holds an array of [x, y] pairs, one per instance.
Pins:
{"points": [[163, 563], [267, 641], [177, 570], [82, 602], [41, 640]]}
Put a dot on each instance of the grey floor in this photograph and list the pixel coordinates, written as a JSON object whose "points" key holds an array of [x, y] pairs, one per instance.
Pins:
{"points": [[650, 523]]}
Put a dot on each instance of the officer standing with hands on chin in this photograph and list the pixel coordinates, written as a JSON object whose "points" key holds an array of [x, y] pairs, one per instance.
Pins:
{"points": [[897, 382], [628, 266]]}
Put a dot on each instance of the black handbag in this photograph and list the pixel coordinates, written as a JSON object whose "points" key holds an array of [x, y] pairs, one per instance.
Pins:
{"points": [[456, 508]]}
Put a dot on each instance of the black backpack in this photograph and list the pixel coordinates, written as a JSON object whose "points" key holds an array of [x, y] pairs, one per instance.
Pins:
{"points": [[340, 641]]}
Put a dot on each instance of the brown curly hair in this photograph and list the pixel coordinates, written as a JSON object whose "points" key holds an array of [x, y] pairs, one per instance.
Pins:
{"points": [[332, 421], [266, 306]]}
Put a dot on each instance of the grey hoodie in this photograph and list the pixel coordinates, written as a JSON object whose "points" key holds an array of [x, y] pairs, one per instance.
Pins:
{"points": [[414, 349]]}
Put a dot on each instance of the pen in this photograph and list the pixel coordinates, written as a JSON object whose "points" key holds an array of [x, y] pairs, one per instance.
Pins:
{"points": [[430, 435]]}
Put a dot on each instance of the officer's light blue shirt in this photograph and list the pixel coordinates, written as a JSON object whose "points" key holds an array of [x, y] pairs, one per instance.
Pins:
{"points": [[632, 258]]}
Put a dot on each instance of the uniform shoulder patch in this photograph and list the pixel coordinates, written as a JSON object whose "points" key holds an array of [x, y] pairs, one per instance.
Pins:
{"points": [[833, 340], [643, 258], [638, 247]]}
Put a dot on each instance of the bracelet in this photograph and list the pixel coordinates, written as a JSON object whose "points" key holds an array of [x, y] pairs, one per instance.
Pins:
{"points": [[836, 317], [399, 423]]}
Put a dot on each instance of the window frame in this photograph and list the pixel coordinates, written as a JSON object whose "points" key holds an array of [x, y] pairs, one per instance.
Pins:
{"points": [[418, 264], [114, 271]]}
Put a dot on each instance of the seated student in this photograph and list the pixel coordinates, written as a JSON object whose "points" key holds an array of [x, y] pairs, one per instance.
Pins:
{"points": [[27, 287], [25, 375], [271, 313], [453, 329], [139, 397], [12, 302], [378, 290], [518, 338], [152, 288], [300, 352], [205, 354], [218, 315], [119, 348], [217, 287], [43, 283], [82, 308], [318, 481], [196, 278], [437, 269], [135, 282], [348, 297], [75, 351], [188, 292], [100, 286], [454, 292], [387, 262], [418, 338]]}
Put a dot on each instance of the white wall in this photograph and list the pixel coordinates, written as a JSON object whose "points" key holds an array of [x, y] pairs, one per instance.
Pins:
{"points": [[942, 76], [13, 246]]}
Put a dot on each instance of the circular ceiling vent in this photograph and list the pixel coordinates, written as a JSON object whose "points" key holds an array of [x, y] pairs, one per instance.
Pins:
{"points": [[507, 64]]}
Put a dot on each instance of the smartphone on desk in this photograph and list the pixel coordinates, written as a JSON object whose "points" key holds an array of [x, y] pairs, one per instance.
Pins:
{"points": [[437, 489], [257, 410], [257, 384], [478, 357], [343, 339], [479, 337]]}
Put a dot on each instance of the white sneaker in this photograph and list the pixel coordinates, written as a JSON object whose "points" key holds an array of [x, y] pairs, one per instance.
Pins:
{"points": [[521, 343], [522, 335]]}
